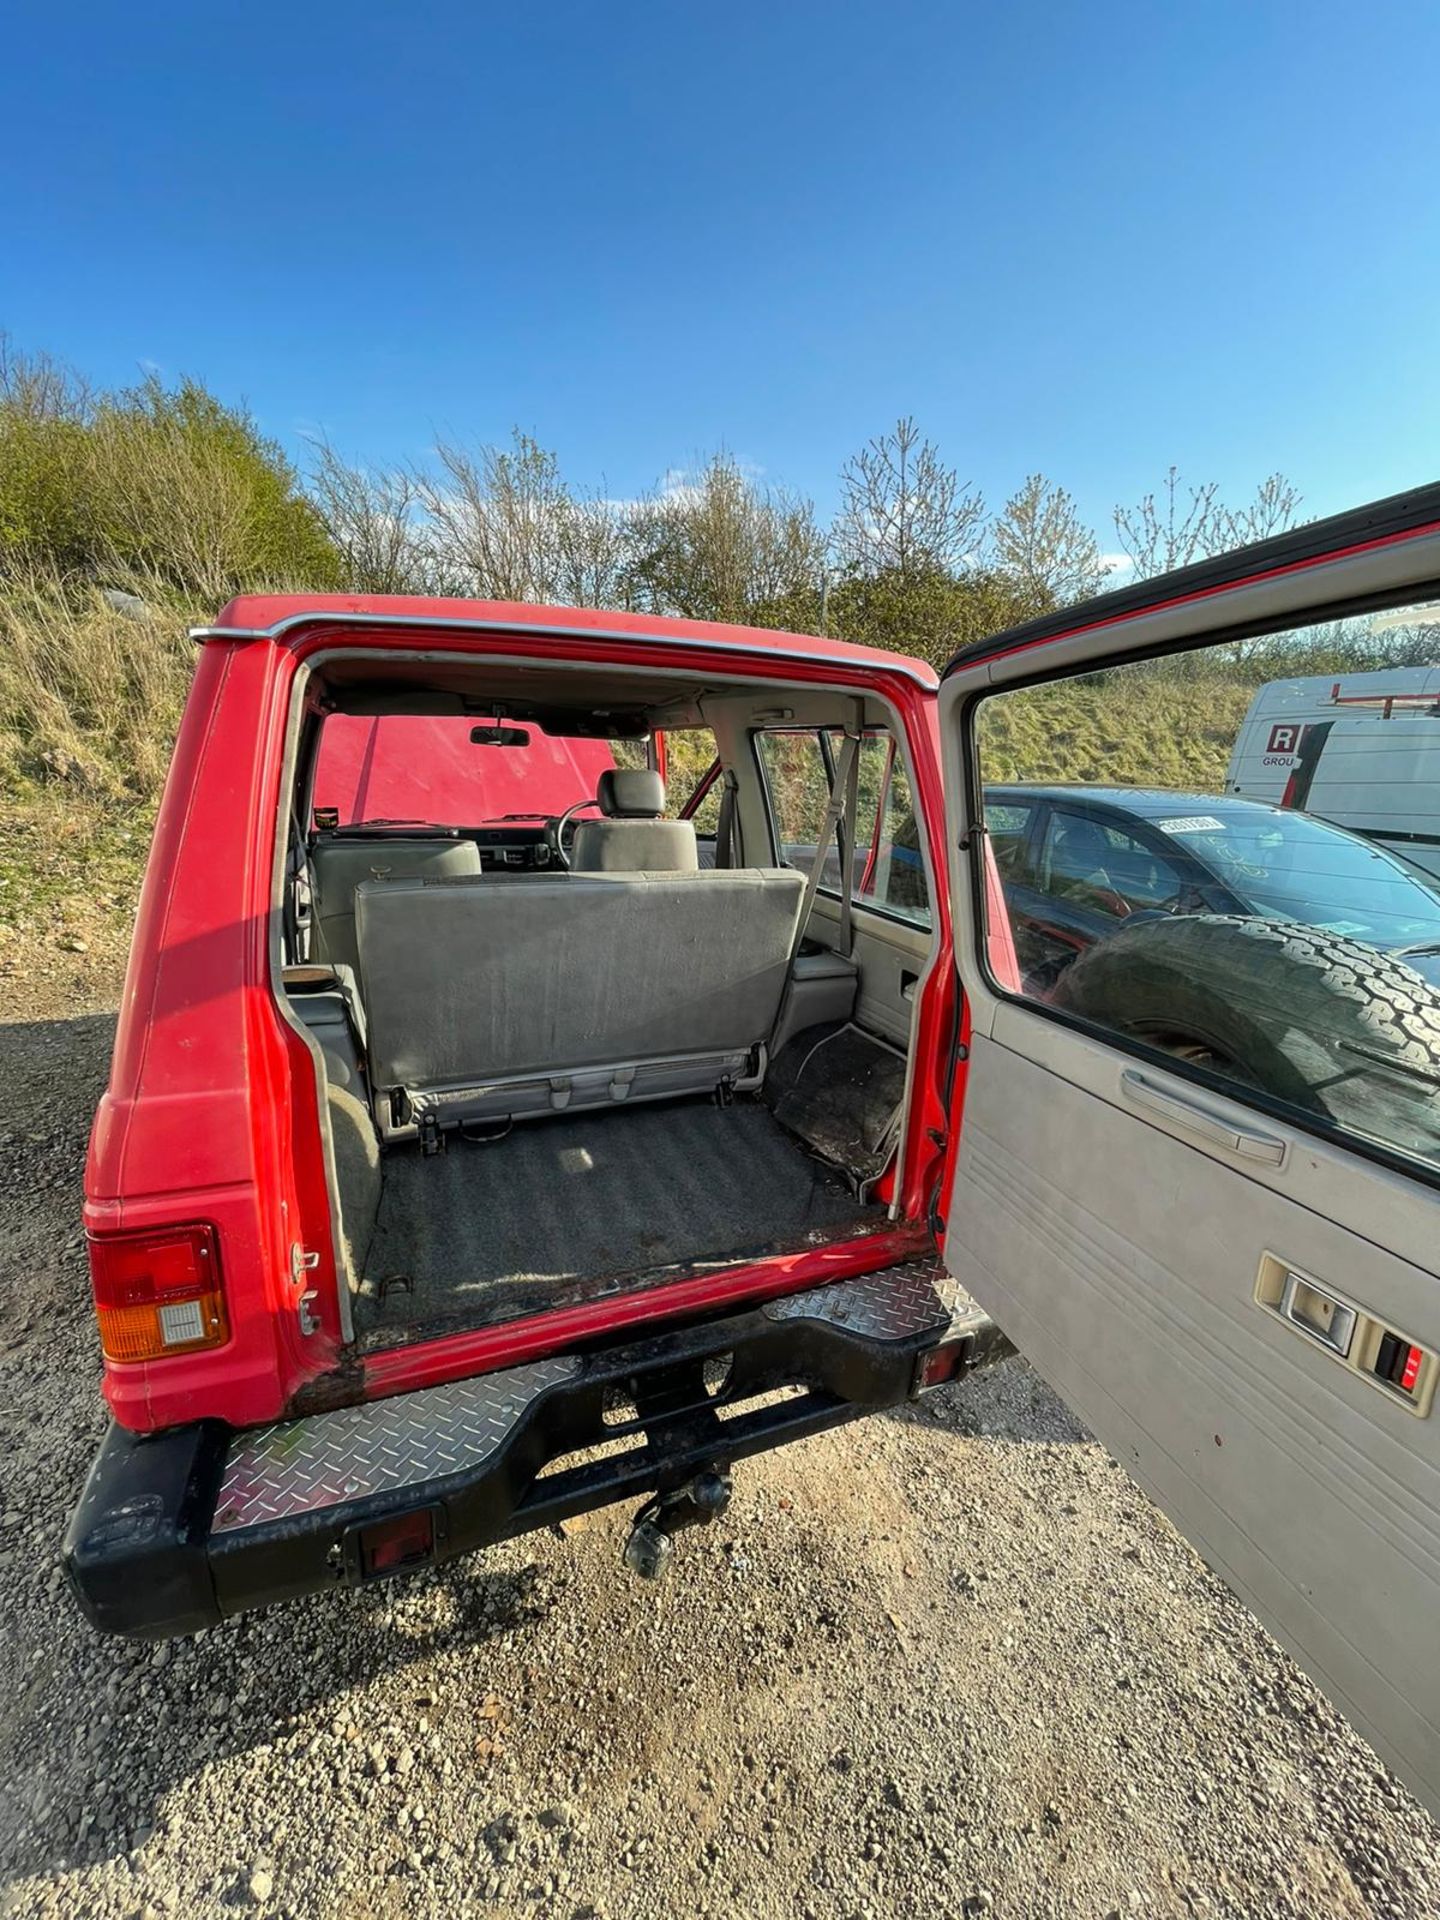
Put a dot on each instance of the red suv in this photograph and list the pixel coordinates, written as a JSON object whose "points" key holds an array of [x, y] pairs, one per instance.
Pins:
{"points": [[565, 1052]]}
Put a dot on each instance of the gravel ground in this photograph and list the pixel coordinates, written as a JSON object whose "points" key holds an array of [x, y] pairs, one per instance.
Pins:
{"points": [[946, 1661]]}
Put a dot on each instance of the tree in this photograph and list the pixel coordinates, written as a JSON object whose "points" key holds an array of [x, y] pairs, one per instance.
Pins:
{"points": [[494, 518], [596, 550], [1274, 508], [370, 516], [44, 416], [168, 485], [1168, 531], [720, 547], [1040, 542], [931, 615], [904, 511], [504, 524]]}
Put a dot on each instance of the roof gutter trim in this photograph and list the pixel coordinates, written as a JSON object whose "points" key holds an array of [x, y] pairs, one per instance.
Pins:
{"points": [[897, 666]]}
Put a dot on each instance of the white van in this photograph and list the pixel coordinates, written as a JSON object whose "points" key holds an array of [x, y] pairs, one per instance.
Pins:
{"points": [[1362, 751]]}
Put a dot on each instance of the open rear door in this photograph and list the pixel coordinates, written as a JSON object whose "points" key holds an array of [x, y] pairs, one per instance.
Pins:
{"points": [[1196, 1171]]}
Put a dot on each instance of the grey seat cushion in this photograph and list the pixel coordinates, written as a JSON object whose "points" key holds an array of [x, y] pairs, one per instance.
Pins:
{"points": [[464, 982], [337, 867], [635, 846]]}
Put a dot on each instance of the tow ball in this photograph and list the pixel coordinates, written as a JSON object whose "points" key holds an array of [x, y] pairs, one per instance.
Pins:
{"points": [[650, 1545]]}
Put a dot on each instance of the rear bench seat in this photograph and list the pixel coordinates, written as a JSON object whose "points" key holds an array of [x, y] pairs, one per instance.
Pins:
{"points": [[492, 1002]]}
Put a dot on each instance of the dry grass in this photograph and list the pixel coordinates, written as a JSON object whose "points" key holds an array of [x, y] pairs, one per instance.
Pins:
{"points": [[89, 701], [89, 696]]}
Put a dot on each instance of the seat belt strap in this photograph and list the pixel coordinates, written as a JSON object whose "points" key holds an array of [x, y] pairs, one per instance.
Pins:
{"points": [[299, 899], [848, 776], [839, 819], [725, 825]]}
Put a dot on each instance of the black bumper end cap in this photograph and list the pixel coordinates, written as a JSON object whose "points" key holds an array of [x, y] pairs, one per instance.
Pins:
{"points": [[136, 1549]]}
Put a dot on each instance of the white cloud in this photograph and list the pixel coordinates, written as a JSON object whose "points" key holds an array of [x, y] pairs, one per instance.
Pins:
{"points": [[1111, 563]]}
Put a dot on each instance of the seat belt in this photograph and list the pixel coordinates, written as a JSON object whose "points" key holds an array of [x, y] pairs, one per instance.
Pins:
{"points": [[847, 776], [725, 825], [298, 895], [839, 820]]}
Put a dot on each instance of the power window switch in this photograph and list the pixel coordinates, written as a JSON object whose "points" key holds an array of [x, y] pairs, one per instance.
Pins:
{"points": [[1398, 1362], [1390, 1357]]}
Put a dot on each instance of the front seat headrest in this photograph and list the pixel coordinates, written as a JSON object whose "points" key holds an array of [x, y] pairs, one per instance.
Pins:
{"points": [[630, 793]]}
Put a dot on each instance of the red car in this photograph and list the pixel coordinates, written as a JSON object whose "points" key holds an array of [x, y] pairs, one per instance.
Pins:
{"points": [[476, 1101]]}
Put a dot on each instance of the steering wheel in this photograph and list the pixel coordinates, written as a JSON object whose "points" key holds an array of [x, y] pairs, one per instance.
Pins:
{"points": [[560, 833]]}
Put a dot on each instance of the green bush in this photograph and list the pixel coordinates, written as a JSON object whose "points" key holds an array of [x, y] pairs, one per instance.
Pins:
{"points": [[155, 487]]}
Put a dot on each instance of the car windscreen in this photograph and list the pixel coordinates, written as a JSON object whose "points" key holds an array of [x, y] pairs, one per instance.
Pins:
{"points": [[426, 769], [1291, 867]]}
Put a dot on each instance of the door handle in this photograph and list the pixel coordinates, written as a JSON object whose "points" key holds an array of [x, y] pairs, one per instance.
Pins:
{"points": [[1203, 1121], [1317, 1313]]}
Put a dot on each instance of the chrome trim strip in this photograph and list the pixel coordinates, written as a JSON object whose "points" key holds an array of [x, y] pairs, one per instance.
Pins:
{"points": [[445, 624]]}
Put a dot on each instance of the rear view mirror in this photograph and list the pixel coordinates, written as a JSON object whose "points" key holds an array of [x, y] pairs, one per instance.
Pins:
{"points": [[500, 736]]}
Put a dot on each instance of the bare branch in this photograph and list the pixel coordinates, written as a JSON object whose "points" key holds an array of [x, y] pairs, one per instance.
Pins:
{"points": [[370, 517], [904, 510], [1041, 542]]}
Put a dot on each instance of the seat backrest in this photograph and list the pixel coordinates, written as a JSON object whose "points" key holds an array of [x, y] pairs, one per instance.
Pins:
{"points": [[635, 846], [632, 838], [337, 867], [464, 982]]}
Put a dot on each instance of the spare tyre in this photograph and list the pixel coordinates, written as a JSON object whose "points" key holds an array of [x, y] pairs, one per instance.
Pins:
{"points": [[1328, 1024]]}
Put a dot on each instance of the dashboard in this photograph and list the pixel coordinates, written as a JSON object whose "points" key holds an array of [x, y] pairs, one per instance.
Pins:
{"points": [[509, 846], [516, 847]]}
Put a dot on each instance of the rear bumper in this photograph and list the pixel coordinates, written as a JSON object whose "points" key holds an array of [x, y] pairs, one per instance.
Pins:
{"points": [[183, 1529]]}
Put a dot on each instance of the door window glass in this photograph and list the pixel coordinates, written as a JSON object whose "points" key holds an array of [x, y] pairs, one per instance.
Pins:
{"points": [[889, 866], [798, 781], [1008, 823], [1199, 886], [689, 759]]}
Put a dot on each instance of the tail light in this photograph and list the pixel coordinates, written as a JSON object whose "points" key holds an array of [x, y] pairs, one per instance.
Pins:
{"points": [[158, 1292], [940, 1364]]}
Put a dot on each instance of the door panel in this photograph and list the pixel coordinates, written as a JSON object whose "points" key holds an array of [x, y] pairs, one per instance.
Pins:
{"points": [[1122, 1261], [1118, 1231]]}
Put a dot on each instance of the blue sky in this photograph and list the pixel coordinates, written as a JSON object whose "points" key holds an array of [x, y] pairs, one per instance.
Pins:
{"points": [[1090, 240]]}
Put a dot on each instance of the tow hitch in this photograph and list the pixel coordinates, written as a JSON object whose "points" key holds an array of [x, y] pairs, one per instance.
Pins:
{"points": [[650, 1545]]}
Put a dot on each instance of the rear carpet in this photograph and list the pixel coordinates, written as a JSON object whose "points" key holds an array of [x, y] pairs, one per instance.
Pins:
{"points": [[563, 1210]]}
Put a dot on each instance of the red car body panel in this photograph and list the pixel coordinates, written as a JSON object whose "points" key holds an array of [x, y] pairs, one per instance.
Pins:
{"points": [[211, 1111]]}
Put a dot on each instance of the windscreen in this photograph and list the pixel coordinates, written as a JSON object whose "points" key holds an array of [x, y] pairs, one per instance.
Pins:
{"points": [[425, 769], [1297, 868]]}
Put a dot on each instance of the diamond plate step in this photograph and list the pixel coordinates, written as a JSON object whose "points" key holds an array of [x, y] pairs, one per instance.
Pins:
{"points": [[296, 1466], [897, 1303]]}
